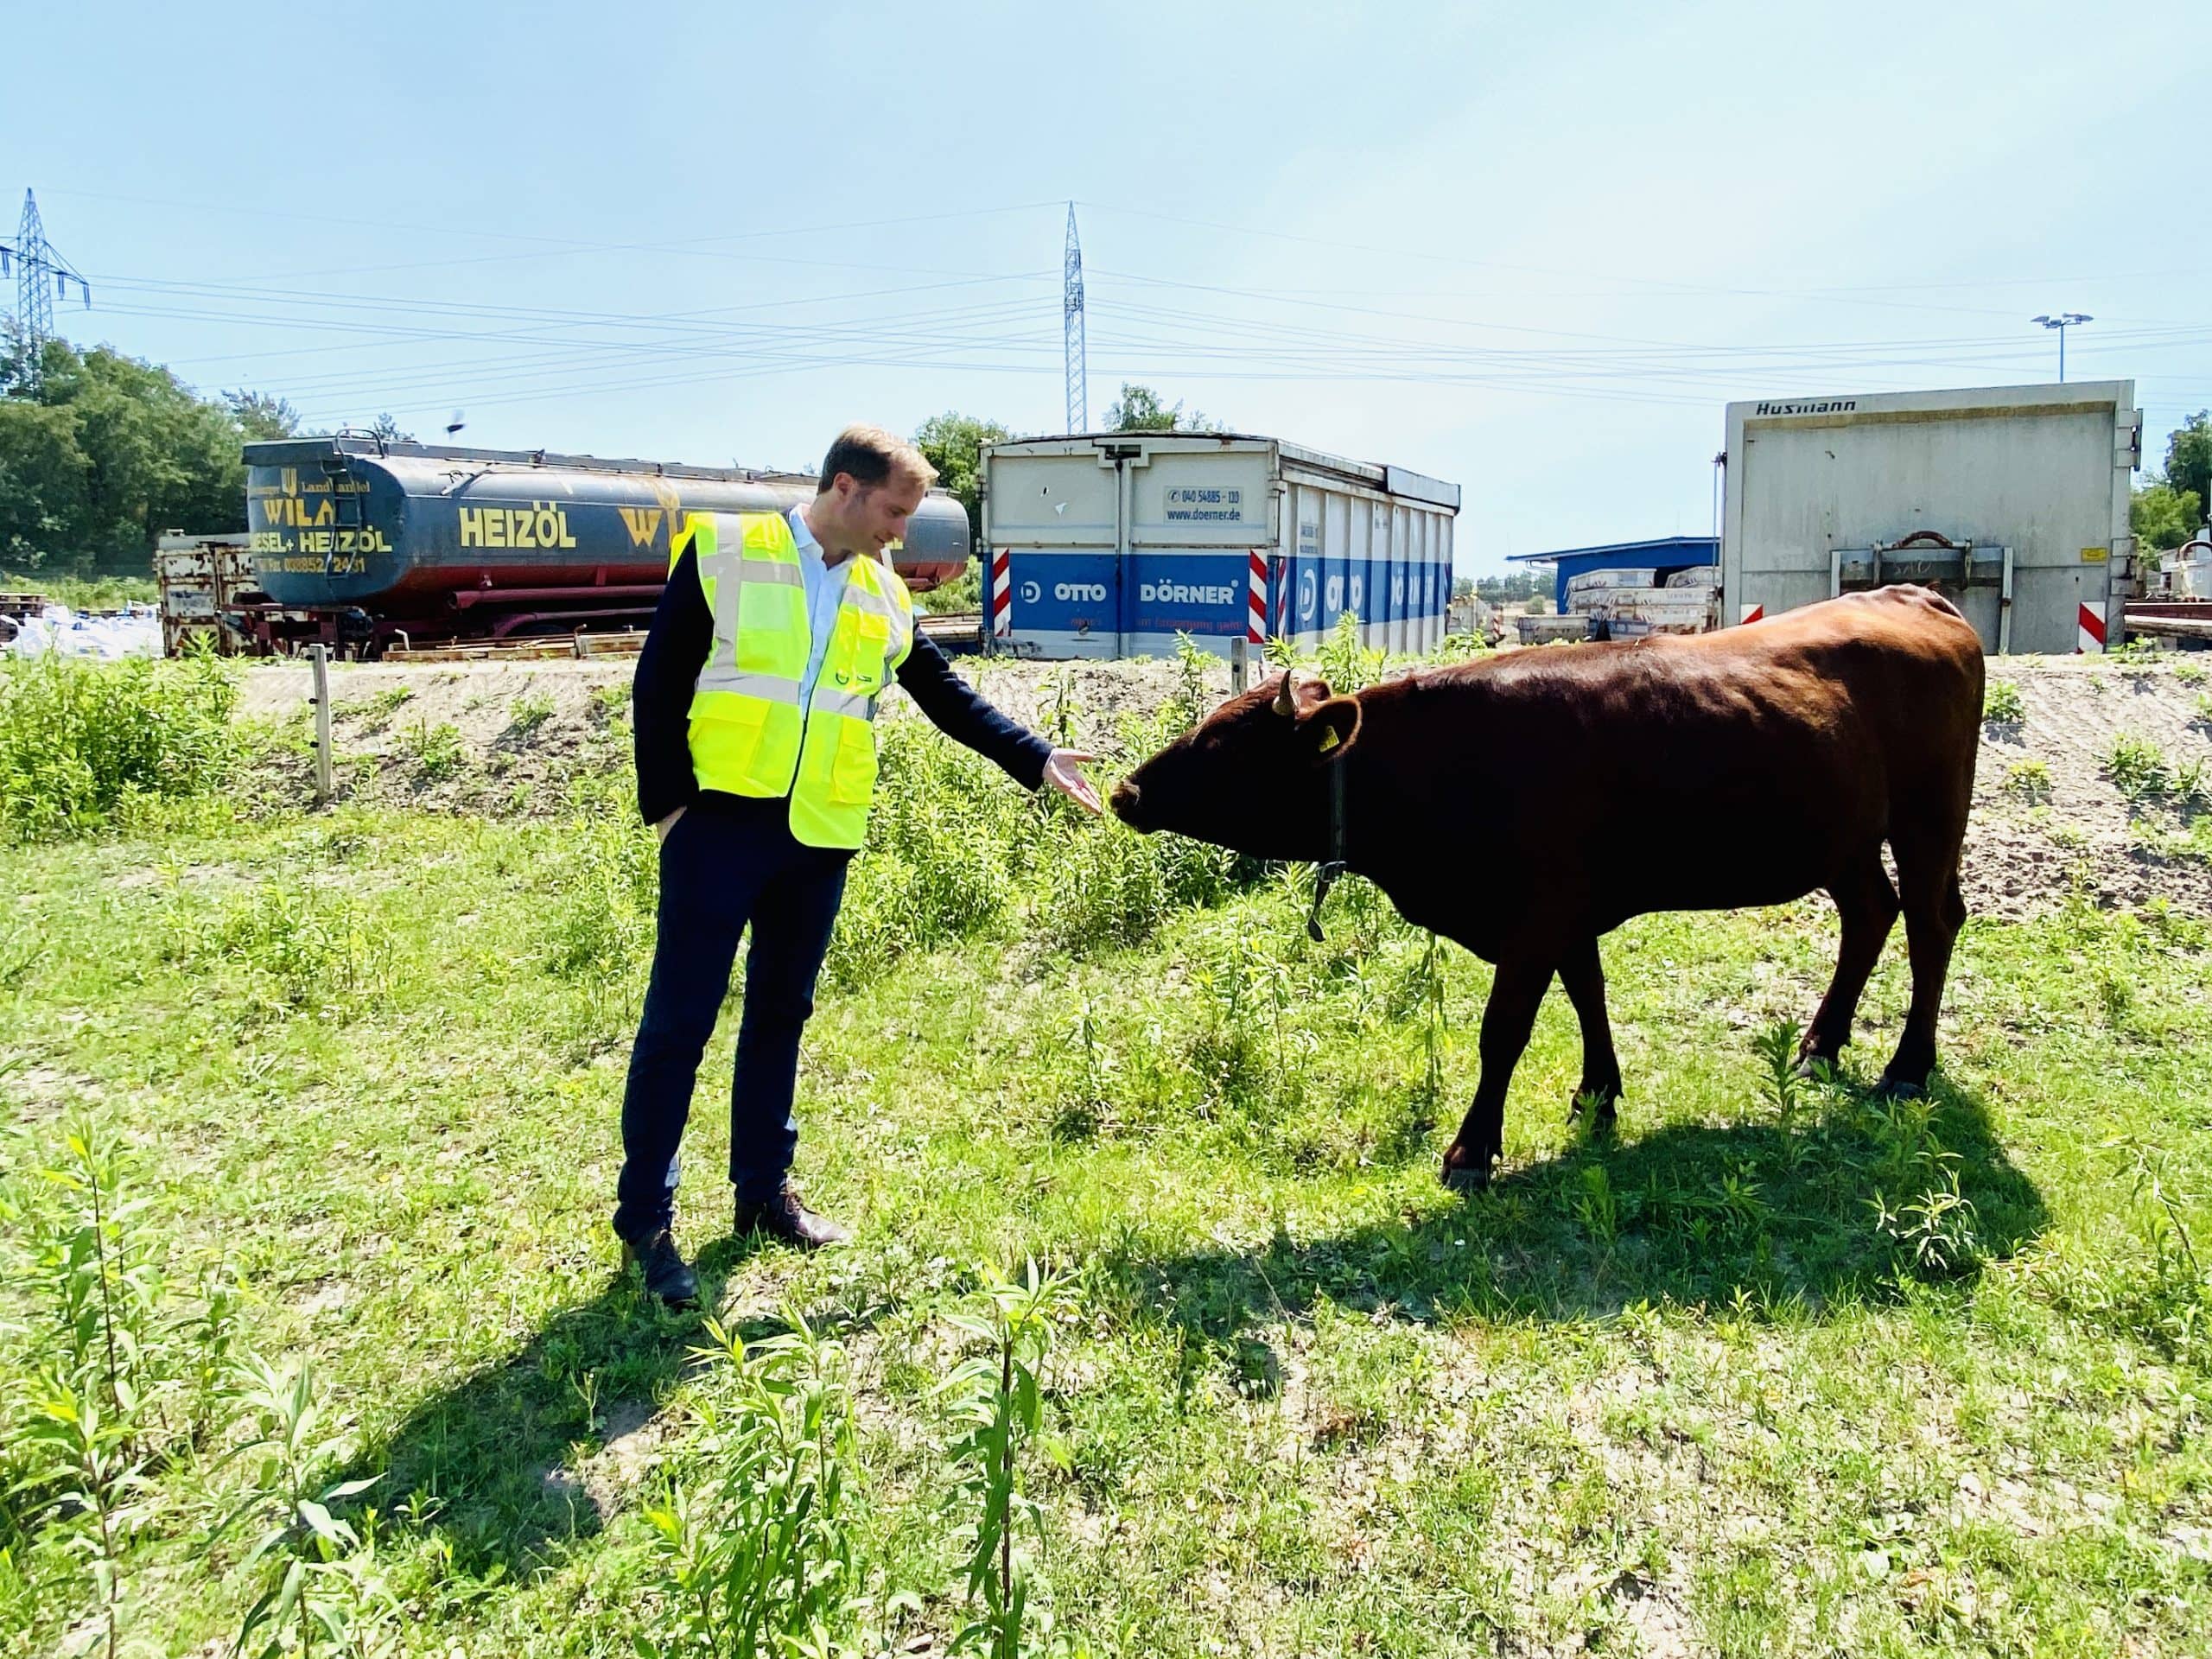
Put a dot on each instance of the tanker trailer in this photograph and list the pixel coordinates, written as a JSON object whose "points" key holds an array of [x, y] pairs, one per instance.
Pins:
{"points": [[357, 543]]}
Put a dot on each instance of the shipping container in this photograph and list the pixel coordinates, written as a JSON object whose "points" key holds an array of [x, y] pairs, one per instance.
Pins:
{"points": [[199, 578], [2011, 500], [1112, 546]]}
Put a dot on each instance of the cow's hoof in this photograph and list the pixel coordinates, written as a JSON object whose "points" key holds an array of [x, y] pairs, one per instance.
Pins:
{"points": [[1463, 1173], [1891, 1088]]}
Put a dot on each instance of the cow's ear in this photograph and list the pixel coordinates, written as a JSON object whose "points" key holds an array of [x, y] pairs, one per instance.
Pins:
{"points": [[1329, 728]]}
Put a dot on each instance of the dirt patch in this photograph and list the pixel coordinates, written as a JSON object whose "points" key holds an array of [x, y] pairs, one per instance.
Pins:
{"points": [[1098, 697], [614, 1475], [512, 739], [503, 738], [39, 1093], [2037, 838]]}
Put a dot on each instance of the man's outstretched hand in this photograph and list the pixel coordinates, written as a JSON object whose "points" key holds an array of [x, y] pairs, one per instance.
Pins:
{"points": [[1060, 771]]}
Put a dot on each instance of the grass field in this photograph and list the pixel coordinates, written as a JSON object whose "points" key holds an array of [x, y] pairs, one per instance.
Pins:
{"points": [[1786, 1368]]}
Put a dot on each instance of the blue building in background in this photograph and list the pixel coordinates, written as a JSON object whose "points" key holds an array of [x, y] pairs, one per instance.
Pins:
{"points": [[1664, 556]]}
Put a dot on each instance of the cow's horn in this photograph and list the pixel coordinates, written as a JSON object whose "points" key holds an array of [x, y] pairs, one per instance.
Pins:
{"points": [[1284, 702]]}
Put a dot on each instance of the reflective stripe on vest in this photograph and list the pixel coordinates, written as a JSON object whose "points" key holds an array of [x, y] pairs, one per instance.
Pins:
{"points": [[749, 734]]}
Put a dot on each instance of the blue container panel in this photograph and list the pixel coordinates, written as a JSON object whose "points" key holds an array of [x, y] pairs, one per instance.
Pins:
{"points": [[1065, 604], [1206, 595], [1093, 603], [1302, 595]]}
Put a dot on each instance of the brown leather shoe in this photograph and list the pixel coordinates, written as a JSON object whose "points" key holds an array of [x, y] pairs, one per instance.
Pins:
{"points": [[787, 1217]]}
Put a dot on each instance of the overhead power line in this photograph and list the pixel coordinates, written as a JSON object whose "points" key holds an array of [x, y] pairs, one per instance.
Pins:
{"points": [[42, 276], [556, 247], [413, 354]]}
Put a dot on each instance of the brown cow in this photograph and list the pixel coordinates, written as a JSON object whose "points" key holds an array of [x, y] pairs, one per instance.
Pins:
{"points": [[1749, 766]]}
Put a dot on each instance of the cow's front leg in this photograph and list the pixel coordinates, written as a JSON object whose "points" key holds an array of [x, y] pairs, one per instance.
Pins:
{"points": [[1515, 991], [1584, 976]]}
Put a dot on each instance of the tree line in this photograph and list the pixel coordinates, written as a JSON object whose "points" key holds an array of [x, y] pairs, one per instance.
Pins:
{"points": [[2169, 508], [101, 453]]}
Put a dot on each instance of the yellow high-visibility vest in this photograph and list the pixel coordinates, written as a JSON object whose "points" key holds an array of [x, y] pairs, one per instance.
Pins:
{"points": [[750, 734]]}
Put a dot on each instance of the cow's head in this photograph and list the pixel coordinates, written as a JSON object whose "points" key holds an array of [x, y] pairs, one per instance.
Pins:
{"points": [[1253, 775]]}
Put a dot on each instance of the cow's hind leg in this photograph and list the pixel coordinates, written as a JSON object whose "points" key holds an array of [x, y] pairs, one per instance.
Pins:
{"points": [[1515, 991], [1584, 976], [1868, 905], [1935, 910]]}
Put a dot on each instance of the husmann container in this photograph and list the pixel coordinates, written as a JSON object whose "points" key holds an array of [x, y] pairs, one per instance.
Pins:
{"points": [[2011, 500]]}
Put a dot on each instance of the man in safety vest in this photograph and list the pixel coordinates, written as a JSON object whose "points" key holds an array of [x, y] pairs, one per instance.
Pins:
{"points": [[755, 700]]}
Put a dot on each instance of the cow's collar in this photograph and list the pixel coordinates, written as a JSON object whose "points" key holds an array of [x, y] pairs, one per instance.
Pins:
{"points": [[1335, 866]]}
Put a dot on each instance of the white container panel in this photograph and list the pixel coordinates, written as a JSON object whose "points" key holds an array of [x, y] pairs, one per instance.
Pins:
{"points": [[1336, 561], [1050, 498], [1205, 500], [2045, 471]]}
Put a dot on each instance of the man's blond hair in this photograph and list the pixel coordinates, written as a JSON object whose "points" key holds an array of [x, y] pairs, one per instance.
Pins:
{"points": [[869, 454]]}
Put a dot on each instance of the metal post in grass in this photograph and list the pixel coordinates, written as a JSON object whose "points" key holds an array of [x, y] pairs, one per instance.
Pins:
{"points": [[1240, 662], [318, 654]]}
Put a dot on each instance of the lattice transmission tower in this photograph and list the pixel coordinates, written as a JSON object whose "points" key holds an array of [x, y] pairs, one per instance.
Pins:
{"points": [[1071, 308], [42, 278]]}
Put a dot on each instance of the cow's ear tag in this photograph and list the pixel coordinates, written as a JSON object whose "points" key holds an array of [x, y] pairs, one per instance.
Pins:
{"points": [[1328, 739]]}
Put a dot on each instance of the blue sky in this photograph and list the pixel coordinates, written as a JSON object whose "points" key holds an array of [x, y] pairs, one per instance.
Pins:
{"points": [[1532, 250]]}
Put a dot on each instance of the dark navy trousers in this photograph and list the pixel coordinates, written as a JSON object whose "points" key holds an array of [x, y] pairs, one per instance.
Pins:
{"points": [[729, 862]]}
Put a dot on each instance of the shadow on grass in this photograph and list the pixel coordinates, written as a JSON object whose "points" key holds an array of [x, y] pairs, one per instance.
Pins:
{"points": [[1855, 1196], [491, 1464]]}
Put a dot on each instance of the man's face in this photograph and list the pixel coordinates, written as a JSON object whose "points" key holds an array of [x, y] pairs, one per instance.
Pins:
{"points": [[874, 516]]}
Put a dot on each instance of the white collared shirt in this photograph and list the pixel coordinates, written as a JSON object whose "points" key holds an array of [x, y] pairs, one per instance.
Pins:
{"points": [[825, 591]]}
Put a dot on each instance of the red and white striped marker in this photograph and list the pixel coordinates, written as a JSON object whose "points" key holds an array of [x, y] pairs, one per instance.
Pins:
{"points": [[1751, 613], [1001, 594], [2089, 632], [1256, 618]]}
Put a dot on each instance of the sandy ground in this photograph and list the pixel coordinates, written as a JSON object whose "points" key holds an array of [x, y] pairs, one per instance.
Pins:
{"points": [[2026, 849], [502, 738]]}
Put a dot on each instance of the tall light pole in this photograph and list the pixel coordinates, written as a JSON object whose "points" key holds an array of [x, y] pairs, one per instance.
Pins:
{"points": [[2062, 321]]}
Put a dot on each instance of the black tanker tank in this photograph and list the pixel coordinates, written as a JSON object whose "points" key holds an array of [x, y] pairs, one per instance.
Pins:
{"points": [[488, 543]]}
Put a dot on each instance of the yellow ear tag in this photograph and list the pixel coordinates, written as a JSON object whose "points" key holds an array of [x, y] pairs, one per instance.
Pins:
{"points": [[1328, 739]]}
